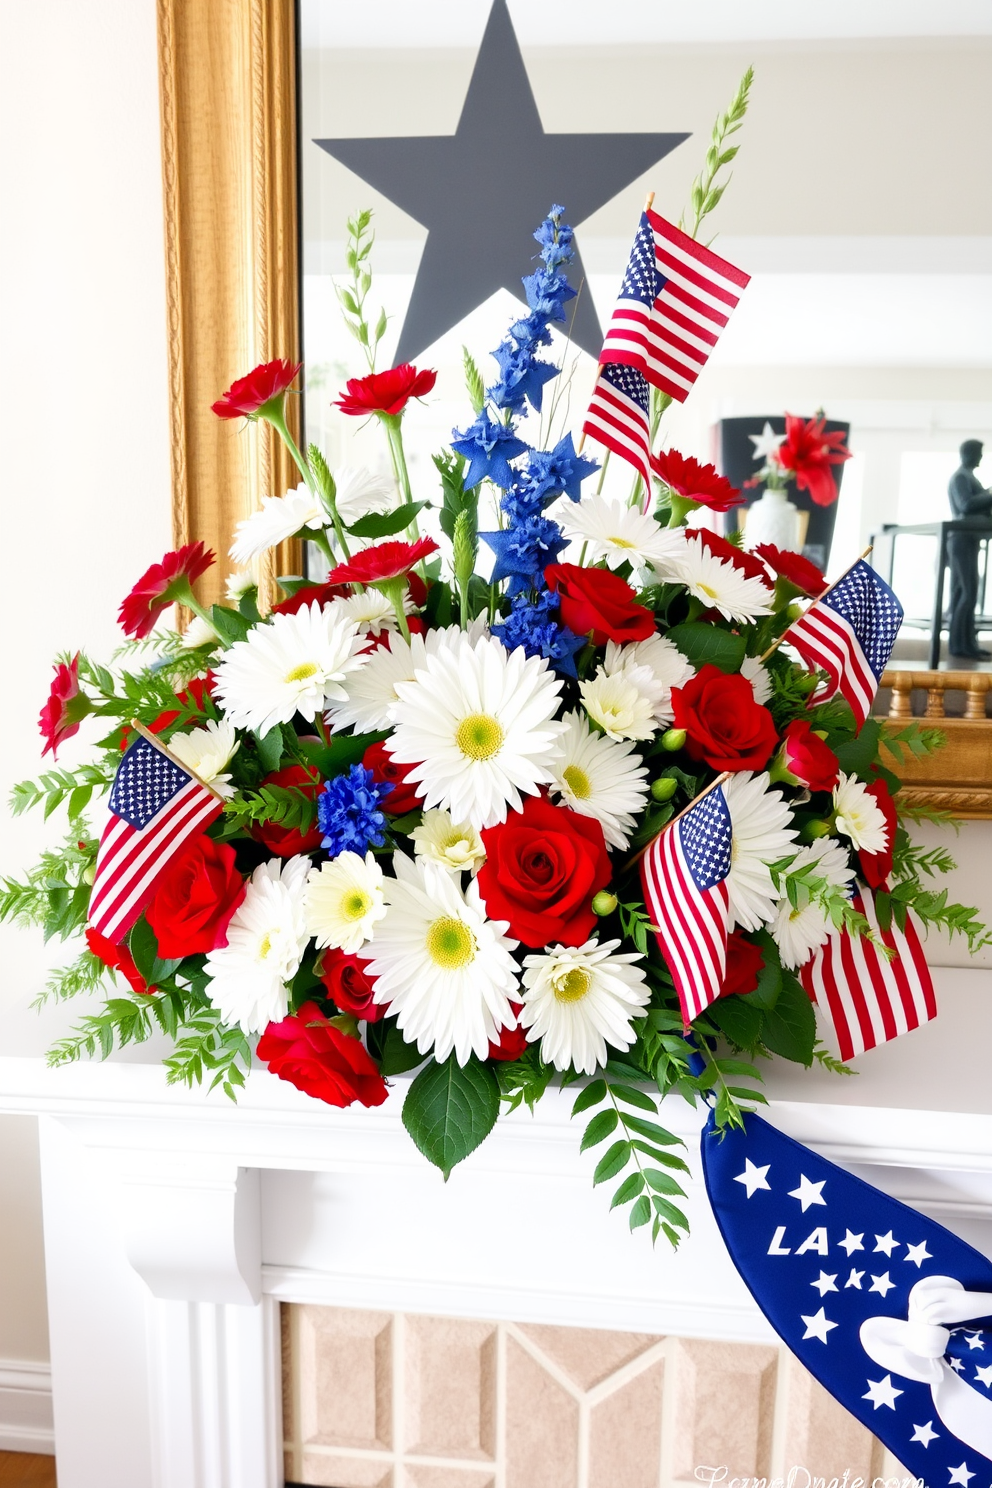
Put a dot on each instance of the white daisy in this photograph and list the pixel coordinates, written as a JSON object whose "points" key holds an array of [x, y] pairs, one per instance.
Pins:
{"points": [[344, 900], [278, 518], [754, 669], [291, 664], [799, 932], [371, 694], [455, 847], [477, 725], [600, 778], [440, 965], [199, 632], [578, 999], [761, 835], [721, 586], [663, 660], [370, 610], [239, 583], [265, 943], [623, 705], [207, 751], [858, 815], [358, 492], [620, 533]]}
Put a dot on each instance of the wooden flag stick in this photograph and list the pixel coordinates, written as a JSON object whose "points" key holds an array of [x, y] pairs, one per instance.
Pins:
{"points": [[695, 801], [785, 634], [156, 743]]}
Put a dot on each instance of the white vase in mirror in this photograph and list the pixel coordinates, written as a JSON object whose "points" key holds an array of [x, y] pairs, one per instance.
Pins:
{"points": [[773, 519]]}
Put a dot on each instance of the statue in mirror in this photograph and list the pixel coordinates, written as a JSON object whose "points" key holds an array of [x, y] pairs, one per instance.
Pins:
{"points": [[969, 501]]}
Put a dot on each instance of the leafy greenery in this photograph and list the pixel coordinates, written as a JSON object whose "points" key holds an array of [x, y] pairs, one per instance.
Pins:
{"points": [[352, 298], [75, 787], [702, 643], [451, 1108], [56, 892], [384, 524]]}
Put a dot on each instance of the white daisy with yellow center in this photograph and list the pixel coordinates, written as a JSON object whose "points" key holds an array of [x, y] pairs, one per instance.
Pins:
{"points": [[720, 585], [622, 704], [578, 999], [345, 901], [620, 534], [477, 724], [800, 932], [601, 779], [266, 939], [456, 847], [371, 693], [442, 967], [858, 815], [207, 751], [762, 834], [278, 518], [655, 666]]}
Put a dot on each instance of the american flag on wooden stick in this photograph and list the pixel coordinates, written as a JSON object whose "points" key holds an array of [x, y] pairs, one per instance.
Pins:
{"points": [[849, 632], [684, 877], [868, 999], [619, 416], [155, 805]]}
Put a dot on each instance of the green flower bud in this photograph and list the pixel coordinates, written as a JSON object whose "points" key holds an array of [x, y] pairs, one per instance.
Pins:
{"points": [[814, 829], [673, 740], [88, 874], [604, 903], [664, 789], [463, 549]]}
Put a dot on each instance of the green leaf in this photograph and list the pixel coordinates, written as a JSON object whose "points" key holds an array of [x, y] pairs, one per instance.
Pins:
{"points": [[652, 1131], [790, 1026], [857, 756], [229, 624], [739, 1020], [701, 643], [594, 1092], [633, 1097], [390, 1049], [269, 748], [451, 1108], [629, 1189], [602, 1125], [616, 1157], [343, 751], [144, 948], [384, 524], [641, 1212], [661, 1183]]}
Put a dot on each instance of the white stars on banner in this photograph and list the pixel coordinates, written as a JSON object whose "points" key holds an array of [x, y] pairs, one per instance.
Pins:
{"points": [[808, 1193], [883, 1284], [753, 1178], [851, 1242], [882, 1392], [924, 1434], [961, 1475], [886, 1243], [917, 1254], [825, 1283], [817, 1326]]}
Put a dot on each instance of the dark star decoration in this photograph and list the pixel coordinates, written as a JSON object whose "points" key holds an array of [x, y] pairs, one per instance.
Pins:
{"points": [[481, 191]]}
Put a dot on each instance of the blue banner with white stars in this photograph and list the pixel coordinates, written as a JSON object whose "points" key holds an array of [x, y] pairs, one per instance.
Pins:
{"points": [[870, 1295]]}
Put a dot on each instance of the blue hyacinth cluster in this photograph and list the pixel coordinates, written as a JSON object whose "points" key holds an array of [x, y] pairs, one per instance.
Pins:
{"points": [[349, 814], [530, 540]]}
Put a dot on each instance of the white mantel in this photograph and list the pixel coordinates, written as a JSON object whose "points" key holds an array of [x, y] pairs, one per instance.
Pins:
{"points": [[175, 1222]]}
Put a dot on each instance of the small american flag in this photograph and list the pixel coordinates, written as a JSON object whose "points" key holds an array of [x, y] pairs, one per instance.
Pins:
{"points": [[868, 999], [675, 300], [684, 876], [155, 805], [619, 416], [850, 632]]}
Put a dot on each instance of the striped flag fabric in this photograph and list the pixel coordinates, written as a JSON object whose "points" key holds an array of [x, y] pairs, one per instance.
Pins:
{"points": [[619, 416], [155, 805], [684, 877], [849, 632], [868, 999], [675, 299]]}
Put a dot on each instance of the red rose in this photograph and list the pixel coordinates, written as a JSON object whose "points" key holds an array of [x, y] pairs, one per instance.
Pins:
{"points": [[695, 482], [118, 958], [349, 987], [804, 759], [876, 867], [511, 1042], [729, 552], [382, 562], [543, 866], [307, 1050], [724, 725], [385, 392], [403, 797], [161, 585], [596, 600], [247, 398], [810, 451], [286, 842], [195, 898], [322, 593], [66, 707], [744, 963], [794, 568]]}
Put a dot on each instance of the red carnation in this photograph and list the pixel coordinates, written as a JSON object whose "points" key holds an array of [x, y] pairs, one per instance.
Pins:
{"points": [[729, 552], [195, 897], [876, 867], [193, 699], [161, 585], [311, 1053], [247, 398], [794, 568], [510, 1043], [382, 563], [118, 958], [700, 484], [66, 707], [724, 725], [804, 759], [596, 601], [349, 986], [744, 963], [385, 393], [809, 451], [403, 797], [286, 842], [322, 593]]}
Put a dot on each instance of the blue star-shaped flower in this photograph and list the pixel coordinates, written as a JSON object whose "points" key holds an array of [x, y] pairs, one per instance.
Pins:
{"points": [[531, 626], [548, 293], [488, 447], [524, 550], [522, 377], [560, 470]]}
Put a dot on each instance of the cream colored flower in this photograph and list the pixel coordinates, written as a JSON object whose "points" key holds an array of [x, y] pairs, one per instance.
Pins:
{"points": [[207, 751], [622, 704], [344, 901], [456, 847], [858, 815]]}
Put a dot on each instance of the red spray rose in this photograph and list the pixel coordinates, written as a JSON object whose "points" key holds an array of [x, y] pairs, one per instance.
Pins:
{"points": [[794, 568], [596, 600], [544, 865], [876, 867], [349, 986], [724, 725], [161, 585], [383, 562], [118, 958], [728, 552], [695, 482], [809, 451], [194, 899], [804, 759], [66, 707], [247, 397], [307, 1050], [744, 963], [511, 1042], [385, 392], [286, 842], [403, 797]]}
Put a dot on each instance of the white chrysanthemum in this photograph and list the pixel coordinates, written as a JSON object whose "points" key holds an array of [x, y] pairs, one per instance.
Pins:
{"points": [[477, 724], [858, 815], [207, 751], [578, 999], [266, 939], [344, 900], [440, 965], [720, 585], [370, 610], [278, 518], [754, 669], [620, 533], [623, 705], [600, 778], [456, 847], [799, 932], [239, 583], [199, 632], [664, 661], [371, 694], [291, 664], [762, 834], [358, 492]]}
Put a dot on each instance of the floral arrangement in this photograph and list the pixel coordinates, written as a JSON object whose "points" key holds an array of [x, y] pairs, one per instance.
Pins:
{"points": [[434, 779], [805, 454]]}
